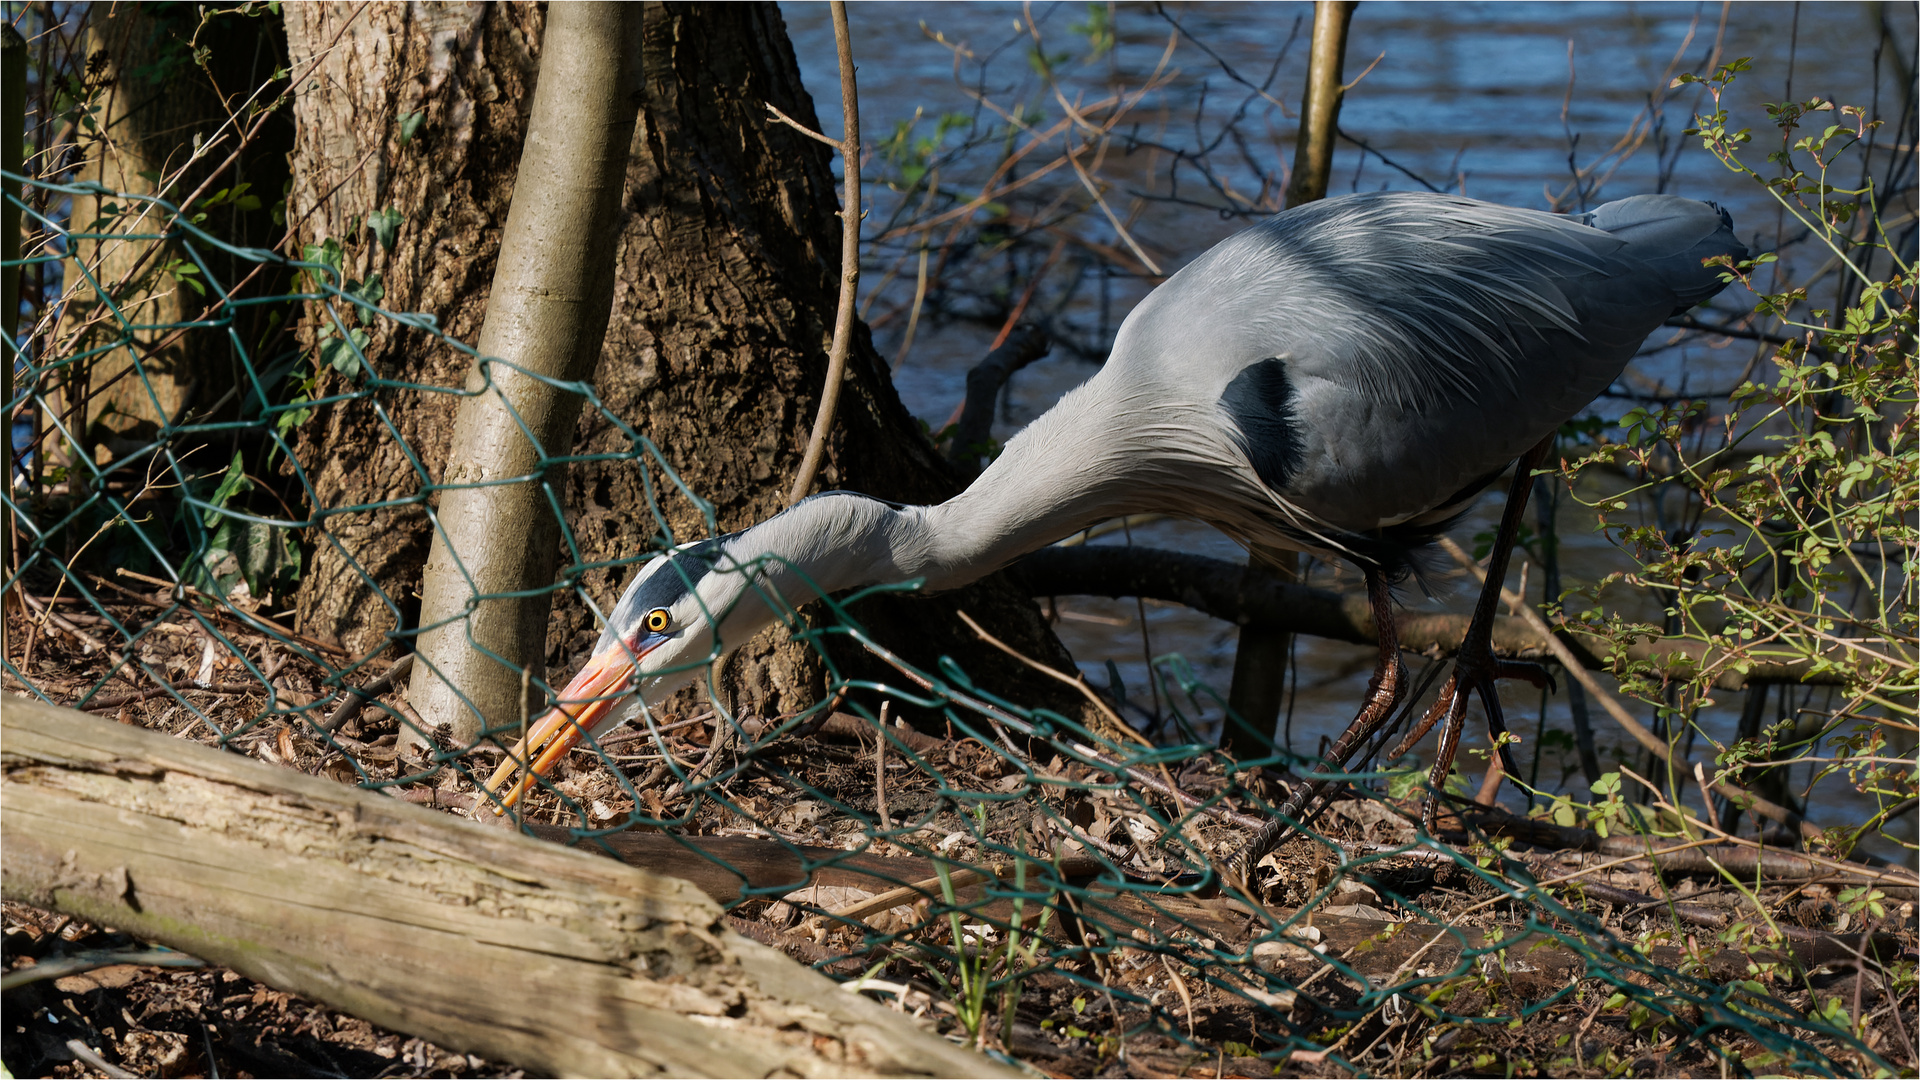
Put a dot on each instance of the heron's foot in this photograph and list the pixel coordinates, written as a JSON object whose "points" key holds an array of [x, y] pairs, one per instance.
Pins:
{"points": [[1383, 697], [1450, 711]]}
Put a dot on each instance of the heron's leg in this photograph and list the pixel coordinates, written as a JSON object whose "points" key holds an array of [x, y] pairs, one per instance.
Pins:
{"points": [[1383, 694], [1429, 718], [1475, 669]]}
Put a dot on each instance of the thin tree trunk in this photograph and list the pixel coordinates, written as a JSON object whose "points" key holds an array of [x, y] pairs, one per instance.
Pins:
{"points": [[546, 316], [13, 118], [1320, 105]]}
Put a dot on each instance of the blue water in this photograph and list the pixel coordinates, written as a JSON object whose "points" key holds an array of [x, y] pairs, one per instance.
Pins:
{"points": [[1469, 97]]}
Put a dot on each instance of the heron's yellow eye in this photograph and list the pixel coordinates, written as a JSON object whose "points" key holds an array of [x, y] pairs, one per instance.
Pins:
{"points": [[657, 620]]}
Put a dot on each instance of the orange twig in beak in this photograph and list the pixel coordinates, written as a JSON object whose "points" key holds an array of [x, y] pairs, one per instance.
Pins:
{"points": [[583, 704]]}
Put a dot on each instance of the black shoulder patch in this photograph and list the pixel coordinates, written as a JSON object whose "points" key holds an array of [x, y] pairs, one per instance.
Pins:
{"points": [[1260, 402]]}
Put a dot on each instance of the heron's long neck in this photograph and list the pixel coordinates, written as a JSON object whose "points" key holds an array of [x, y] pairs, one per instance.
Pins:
{"points": [[1054, 478]]}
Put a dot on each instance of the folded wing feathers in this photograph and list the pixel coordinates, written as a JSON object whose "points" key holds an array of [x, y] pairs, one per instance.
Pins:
{"points": [[1419, 296]]}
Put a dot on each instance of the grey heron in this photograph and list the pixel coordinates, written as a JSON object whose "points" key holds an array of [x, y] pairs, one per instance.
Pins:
{"points": [[1341, 379]]}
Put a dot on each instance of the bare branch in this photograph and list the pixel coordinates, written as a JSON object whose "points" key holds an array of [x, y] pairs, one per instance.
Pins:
{"points": [[800, 127], [849, 258]]}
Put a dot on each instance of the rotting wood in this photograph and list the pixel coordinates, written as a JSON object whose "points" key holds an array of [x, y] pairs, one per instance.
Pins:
{"points": [[724, 866], [1775, 865], [550, 958]]}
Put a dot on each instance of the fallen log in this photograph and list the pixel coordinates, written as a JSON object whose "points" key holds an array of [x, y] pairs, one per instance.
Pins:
{"points": [[550, 958], [1777, 866]]}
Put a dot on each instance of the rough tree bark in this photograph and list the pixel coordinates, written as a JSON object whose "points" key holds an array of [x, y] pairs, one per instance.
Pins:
{"points": [[546, 316], [726, 283], [164, 114], [420, 108]]}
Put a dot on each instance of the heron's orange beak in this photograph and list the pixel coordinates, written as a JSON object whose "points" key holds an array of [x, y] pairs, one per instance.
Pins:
{"points": [[583, 704]]}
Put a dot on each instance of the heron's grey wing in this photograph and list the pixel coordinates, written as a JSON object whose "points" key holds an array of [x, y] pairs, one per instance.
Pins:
{"points": [[1380, 353]]}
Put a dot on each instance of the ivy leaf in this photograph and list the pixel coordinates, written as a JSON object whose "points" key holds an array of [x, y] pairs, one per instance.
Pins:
{"points": [[385, 225], [327, 253], [369, 292], [410, 123], [343, 357]]}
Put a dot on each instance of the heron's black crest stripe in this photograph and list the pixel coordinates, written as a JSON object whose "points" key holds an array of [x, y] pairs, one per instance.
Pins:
{"points": [[668, 584], [1259, 400]]}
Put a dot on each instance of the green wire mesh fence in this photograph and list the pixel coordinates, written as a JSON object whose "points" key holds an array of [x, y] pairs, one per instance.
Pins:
{"points": [[1051, 889]]}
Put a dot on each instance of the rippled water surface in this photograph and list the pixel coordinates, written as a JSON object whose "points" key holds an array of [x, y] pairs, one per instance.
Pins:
{"points": [[1477, 98]]}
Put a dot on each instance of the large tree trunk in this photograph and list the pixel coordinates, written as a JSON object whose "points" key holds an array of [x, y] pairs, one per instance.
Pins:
{"points": [[420, 108], [164, 115], [722, 316]]}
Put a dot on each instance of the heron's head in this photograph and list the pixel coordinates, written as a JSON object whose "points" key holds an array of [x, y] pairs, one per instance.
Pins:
{"points": [[694, 604], [681, 611]]}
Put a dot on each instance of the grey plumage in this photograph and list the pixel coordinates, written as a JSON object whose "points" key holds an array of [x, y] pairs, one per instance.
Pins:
{"points": [[1340, 379], [1426, 341]]}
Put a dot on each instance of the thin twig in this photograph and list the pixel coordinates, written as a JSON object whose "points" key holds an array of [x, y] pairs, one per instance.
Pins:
{"points": [[357, 698], [114, 701], [1121, 727], [880, 770], [800, 127], [256, 623], [849, 260], [86, 1054]]}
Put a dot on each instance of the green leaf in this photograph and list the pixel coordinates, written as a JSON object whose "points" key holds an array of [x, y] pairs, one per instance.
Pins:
{"points": [[409, 123], [268, 557], [385, 225], [327, 253], [339, 355], [372, 291], [233, 483], [1098, 29], [184, 273]]}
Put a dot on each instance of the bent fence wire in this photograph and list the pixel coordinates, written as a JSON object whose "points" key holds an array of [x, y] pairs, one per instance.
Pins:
{"points": [[1040, 882]]}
